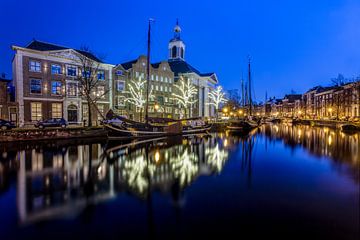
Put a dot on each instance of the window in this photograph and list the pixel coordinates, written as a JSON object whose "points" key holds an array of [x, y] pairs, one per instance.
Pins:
{"points": [[166, 79], [36, 111], [142, 76], [166, 88], [170, 80], [86, 74], [157, 78], [100, 92], [169, 89], [101, 112], [71, 71], [166, 99], [55, 69], [157, 88], [120, 86], [161, 79], [101, 75], [34, 66], [56, 88], [56, 110], [151, 109], [35, 86], [168, 109], [119, 73], [136, 74], [85, 110], [152, 77], [72, 89], [161, 88], [121, 101]]}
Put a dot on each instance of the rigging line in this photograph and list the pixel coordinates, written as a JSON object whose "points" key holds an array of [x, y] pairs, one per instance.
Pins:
{"points": [[142, 41]]}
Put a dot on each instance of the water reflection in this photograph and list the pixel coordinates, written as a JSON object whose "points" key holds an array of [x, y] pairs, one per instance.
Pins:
{"points": [[62, 180], [343, 149]]}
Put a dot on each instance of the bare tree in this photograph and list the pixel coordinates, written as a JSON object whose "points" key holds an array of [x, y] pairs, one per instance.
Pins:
{"points": [[217, 97], [137, 94], [91, 83], [186, 93]]}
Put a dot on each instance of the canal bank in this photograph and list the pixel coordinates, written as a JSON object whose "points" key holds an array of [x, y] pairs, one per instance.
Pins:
{"points": [[52, 134], [342, 125]]}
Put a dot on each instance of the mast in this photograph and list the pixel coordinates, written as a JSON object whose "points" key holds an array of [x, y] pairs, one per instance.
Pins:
{"points": [[242, 91], [250, 100], [148, 73]]}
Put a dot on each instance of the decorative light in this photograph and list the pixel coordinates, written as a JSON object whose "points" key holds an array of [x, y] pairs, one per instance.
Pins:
{"points": [[157, 156], [225, 110], [156, 107]]}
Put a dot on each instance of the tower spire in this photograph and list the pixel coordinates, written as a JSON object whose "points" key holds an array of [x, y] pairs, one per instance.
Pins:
{"points": [[176, 45]]}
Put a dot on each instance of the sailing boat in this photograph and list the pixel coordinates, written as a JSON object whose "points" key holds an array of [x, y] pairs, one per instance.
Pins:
{"points": [[244, 125], [121, 127]]}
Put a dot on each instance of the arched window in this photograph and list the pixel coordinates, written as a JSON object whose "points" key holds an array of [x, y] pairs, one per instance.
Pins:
{"points": [[182, 52], [173, 50]]}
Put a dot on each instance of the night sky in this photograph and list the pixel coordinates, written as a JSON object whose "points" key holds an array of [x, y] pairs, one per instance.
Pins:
{"points": [[294, 44]]}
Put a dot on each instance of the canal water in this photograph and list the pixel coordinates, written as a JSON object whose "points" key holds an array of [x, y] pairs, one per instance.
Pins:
{"points": [[281, 181]]}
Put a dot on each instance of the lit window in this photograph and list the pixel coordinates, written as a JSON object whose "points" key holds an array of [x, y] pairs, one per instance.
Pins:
{"points": [[56, 110], [101, 91], [34, 66], [55, 69], [157, 88], [72, 89], [166, 79], [36, 111], [71, 71], [121, 101], [152, 77], [161, 79], [161, 88], [169, 89], [120, 86], [101, 75], [170, 80], [35, 86], [56, 88], [101, 110], [166, 88], [157, 78]]}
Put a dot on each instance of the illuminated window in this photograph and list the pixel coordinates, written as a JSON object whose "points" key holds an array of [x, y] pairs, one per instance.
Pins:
{"points": [[55, 69], [72, 89], [56, 88], [36, 111], [56, 110], [34, 66]]}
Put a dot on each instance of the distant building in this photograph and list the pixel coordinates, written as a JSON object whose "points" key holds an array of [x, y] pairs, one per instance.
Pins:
{"points": [[288, 104], [8, 108]]}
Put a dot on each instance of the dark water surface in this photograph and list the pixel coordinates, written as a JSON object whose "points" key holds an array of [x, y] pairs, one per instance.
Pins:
{"points": [[282, 181]]}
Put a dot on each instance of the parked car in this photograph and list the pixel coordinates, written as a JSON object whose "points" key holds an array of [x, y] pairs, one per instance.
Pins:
{"points": [[51, 122], [4, 124]]}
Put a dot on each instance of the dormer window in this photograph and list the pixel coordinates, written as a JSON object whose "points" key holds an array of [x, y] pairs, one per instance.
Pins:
{"points": [[119, 73]]}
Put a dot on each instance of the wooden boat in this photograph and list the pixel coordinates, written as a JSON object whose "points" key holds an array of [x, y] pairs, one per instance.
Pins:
{"points": [[241, 126], [121, 127]]}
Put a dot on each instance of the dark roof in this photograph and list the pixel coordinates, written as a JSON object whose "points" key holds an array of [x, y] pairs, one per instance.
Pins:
{"points": [[206, 74], [3, 79], [43, 46], [293, 97], [180, 66]]}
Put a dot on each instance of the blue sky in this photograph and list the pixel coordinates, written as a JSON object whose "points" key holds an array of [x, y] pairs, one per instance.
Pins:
{"points": [[294, 44]]}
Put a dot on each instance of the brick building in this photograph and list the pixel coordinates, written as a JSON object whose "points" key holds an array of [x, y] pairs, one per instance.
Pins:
{"points": [[45, 78]]}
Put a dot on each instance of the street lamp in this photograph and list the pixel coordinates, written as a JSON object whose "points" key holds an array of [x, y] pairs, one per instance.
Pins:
{"points": [[225, 110], [156, 107]]}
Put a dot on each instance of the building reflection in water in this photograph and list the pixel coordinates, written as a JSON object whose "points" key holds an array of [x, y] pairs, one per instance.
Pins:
{"points": [[57, 181], [343, 149]]}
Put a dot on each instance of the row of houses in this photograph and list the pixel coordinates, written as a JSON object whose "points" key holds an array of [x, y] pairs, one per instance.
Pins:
{"points": [[45, 77], [335, 102]]}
